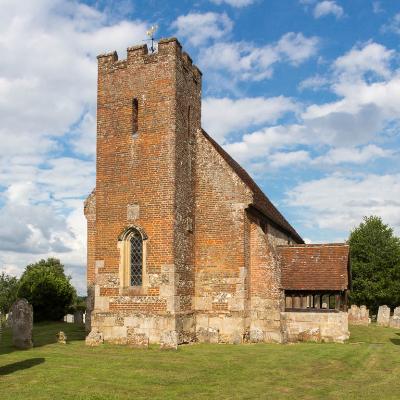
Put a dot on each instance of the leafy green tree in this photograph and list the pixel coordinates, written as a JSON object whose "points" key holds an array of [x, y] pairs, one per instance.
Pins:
{"points": [[45, 285], [8, 291], [375, 264]]}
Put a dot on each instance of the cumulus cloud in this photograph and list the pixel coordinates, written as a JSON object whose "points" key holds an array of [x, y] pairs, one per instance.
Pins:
{"points": [[47, 110], [327, 7], [198, 28], [223, 116], [245, 61], [339, 202], [256, 146], [369, 57]]}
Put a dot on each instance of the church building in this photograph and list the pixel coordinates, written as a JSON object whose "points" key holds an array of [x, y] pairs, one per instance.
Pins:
{"points": [[183, 246]]}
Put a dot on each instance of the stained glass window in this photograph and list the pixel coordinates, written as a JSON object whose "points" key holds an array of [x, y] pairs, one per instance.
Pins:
{"points": [[136, 258]]}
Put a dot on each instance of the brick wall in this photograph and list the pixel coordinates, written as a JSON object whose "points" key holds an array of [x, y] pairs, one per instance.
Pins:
{"points": [[143, 180]]}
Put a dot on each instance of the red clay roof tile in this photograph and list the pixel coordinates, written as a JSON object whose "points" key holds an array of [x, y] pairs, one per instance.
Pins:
{"points": [[315, 266]]}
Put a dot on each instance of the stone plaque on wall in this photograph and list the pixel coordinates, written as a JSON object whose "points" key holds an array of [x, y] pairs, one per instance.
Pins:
{"points": [[132, 213]]}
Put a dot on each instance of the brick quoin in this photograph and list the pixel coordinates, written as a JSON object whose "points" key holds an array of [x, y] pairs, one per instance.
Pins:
{"points": [[209, 232]]}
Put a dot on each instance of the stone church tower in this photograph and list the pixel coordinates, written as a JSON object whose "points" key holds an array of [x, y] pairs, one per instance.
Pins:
{"points": [[182, 244]]}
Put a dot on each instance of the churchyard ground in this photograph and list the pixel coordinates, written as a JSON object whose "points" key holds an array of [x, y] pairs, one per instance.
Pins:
{"points": [[367, 367]]}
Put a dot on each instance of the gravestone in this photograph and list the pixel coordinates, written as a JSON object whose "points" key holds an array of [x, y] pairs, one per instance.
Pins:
{"points": [[61, 337], [169, 340], [69, 318], [22, 323], [95, 338], [395, 320], [383, 316], [358, 315], [78, 317]]}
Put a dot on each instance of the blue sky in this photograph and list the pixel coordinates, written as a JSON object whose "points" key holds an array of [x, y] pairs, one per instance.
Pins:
{"points": [[304, 93]]}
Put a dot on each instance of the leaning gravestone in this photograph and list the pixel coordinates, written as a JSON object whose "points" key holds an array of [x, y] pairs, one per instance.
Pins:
{"points": [[22, 323], [383, 316]]}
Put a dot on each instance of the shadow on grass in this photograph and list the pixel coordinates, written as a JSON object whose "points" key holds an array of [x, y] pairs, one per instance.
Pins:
{"points": [[17, 366], [44, 333], [395, 341]]}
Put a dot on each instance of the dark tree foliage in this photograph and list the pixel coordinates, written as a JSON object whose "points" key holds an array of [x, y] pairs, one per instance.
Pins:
{"points": [[46, 287], [375, 264], [8, 291]]}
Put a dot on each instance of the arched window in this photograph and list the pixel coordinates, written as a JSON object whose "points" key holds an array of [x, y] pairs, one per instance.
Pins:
{"points": [[136, 258], [132, 246]]}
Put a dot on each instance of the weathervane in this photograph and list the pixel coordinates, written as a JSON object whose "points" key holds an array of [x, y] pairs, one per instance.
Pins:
{"points": [[150, 34]]}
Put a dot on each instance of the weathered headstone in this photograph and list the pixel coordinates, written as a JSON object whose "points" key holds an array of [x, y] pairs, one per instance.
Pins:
{"points": [[383, 316], [61, 337], [78, 317], [358, 315], [256, 335], [95, 338], [169, 340], [69, 318], [22, 323], [395, 319]]}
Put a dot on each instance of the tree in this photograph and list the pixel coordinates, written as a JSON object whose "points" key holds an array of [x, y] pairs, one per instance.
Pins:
{"points": [[375, 264], [48, 289], [8, 291]]}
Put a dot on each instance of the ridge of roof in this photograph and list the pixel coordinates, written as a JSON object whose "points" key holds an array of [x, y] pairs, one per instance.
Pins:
{"points": [[260, 200]]}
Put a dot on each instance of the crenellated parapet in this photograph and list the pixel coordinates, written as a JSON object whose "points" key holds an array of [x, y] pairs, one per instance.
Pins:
{"points": [[137, 55]]}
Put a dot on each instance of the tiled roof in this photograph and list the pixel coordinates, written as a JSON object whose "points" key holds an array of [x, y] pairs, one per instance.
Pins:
{"points": [[260, 200], [315, 266]]}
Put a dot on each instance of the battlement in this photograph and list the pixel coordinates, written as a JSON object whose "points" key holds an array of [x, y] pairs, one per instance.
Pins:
{"points": [[168, 47]]}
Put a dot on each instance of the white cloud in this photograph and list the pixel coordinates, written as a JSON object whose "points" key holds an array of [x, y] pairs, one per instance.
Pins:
{"points": [[245, 61], [258, 145], [47, 107], [222, 116], [234, 3], [314, 83], [339, 202], [199, 28], [283, 159], [353, 155], [370, 57], [328, 7], [296, 48], [393, 25]]}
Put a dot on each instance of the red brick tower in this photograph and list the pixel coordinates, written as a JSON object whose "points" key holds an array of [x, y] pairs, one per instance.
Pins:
{"points": [[148, 110]]}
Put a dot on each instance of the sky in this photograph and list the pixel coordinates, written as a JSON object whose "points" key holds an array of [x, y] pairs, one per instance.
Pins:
{"points": [[305, 94]]}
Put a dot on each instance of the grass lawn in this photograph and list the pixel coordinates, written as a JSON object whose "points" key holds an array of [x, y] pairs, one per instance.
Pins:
{"points": [[368, 367]]}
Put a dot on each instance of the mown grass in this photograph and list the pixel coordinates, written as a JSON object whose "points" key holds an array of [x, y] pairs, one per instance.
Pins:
{"points": [[368, 367]]}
